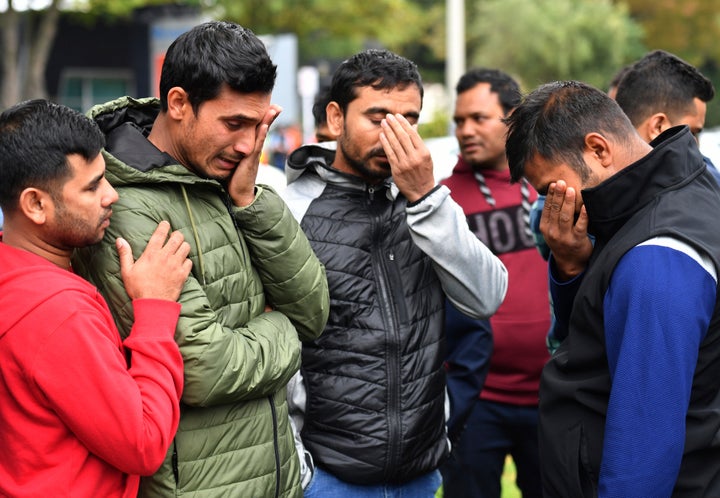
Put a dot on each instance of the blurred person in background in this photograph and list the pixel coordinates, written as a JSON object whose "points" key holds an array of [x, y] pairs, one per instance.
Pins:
{"points": [[660, 91], [322, 131], [498, 416]]}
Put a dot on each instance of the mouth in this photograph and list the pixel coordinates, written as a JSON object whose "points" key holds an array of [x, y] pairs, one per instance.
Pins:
{"points": [[382, 160], [228, 164], [470, 147]]}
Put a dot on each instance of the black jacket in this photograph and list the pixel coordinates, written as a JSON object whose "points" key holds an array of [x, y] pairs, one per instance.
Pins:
{"points": [[668, 192], [374, 379]]}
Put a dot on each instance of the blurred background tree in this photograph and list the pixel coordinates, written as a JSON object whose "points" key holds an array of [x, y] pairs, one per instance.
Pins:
{"points": [[535, 40], [548, 40], [27, 33]]}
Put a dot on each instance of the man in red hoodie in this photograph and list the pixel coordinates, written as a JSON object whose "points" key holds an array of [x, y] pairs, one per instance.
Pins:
{"points": [[496, 418], [82, 414]]}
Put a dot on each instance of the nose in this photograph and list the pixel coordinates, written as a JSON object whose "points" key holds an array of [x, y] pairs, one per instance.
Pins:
{"points": [[244, 142], [464, 129], [110, 196]]}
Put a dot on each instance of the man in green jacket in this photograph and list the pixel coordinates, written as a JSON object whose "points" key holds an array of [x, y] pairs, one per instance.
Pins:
{"points": [[256, 289]]}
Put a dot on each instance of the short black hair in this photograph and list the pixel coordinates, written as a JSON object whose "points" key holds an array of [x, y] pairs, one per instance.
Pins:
{"points": [[618, 76], [379, 69], [319, 109], [553, 120], [661, 82], [211, 55], [503, 84], [36, 136]]}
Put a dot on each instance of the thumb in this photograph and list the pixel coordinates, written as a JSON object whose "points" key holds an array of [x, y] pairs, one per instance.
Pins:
{"points": [[125, 254]]}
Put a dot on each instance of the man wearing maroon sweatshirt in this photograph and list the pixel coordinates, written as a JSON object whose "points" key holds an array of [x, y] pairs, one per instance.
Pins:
{"points": [[494, 401]]}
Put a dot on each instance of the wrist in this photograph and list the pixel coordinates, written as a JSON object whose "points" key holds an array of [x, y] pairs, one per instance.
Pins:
{"points": [[243, 199]]}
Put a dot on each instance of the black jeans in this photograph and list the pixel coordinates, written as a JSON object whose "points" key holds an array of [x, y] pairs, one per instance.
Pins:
{"points": [[493, 431]]}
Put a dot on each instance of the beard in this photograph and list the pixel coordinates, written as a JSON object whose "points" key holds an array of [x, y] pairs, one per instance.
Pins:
{"points": [[71, 231], [361, 164]]}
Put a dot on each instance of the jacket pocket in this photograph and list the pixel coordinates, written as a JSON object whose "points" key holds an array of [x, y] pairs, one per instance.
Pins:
{"points": [[573, 477]]}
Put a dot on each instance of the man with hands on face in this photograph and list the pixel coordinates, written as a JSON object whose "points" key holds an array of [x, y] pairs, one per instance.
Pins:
{"points": [[256, 289], [630, 402], [371, 394]]}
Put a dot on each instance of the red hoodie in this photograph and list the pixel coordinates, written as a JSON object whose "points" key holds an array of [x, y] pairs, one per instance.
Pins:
{"points": [[521, 323], [74, 419]]}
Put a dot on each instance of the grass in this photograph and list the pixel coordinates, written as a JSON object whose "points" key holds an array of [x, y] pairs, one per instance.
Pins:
{"points": [[509, 489]]}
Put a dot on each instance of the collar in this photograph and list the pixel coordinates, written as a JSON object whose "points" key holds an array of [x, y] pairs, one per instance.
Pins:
{"points": [[319, 158], [674, 161]]}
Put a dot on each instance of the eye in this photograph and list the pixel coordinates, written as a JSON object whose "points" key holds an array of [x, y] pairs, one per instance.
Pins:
{"points": [[93, 187]]}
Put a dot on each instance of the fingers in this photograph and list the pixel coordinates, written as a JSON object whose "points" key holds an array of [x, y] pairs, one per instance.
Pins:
{"points": [[400, 134], [270, 116], [158, 237], [124, 253], [566, 215], [161, 270], [582, 222], [164, 245]]}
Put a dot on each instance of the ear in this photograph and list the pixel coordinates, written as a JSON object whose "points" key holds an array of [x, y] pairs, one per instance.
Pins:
{"points": [[598, 148], [178, 103], [335, 118], [656, 124], [35, 204]]}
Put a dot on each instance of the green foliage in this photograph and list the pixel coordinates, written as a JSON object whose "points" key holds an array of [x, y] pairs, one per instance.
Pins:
{"points": [[327, 28], [546, 40], [687, 28], [116, 8], [436, 127]]}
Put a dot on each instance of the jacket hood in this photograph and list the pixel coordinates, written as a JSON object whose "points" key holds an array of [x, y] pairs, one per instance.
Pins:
{"points": [[130, 158], [462, 167], [307, 157]]}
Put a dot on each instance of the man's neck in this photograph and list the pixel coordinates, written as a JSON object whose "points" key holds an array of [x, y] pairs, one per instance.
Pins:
{"points": [[37, 246], [498, 165]]}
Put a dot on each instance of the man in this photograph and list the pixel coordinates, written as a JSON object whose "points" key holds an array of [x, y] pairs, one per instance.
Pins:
{"points": [[657, 92], [499, 417], [616, 79], [76, 419], [394, 245], [629, 404], [660, 91], [322, 133], [256, 287]]}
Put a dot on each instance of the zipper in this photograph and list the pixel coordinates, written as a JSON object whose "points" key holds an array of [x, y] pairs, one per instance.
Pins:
{"points": [[175, 469], [383, 261], [276, 445]]}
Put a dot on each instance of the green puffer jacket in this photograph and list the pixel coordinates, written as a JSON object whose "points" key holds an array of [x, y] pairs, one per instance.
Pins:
{"points": [[234, 438]]}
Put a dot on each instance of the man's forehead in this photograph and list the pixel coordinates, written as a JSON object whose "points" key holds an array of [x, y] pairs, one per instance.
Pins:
{"points": [[409, 94], [537, 170]]}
